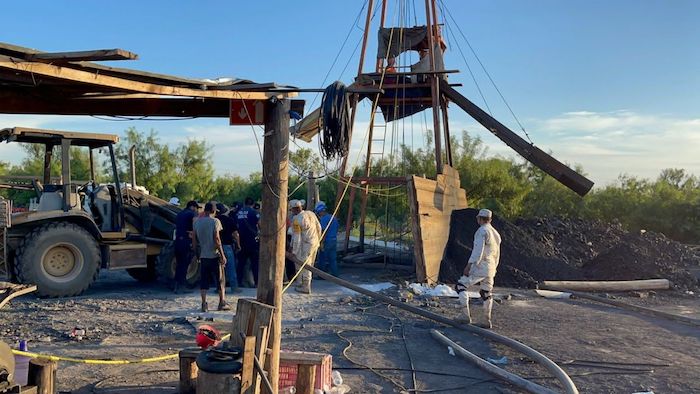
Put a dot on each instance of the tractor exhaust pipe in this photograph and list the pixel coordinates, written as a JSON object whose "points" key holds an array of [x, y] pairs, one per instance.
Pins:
{"points": [[132, 165]]}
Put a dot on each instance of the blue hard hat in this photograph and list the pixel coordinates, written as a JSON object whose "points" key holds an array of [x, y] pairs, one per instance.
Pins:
{"points": [[321, 206]]}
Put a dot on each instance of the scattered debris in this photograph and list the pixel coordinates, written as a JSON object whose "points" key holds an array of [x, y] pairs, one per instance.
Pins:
{"points": [[498, 361]]}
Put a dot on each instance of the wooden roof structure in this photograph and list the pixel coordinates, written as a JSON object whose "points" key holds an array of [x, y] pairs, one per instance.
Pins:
{"points": [[66, 83]]}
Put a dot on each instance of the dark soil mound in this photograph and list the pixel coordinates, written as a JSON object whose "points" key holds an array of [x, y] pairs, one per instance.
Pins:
{"points": [[645, 256], [524, 258], [534, 250]]}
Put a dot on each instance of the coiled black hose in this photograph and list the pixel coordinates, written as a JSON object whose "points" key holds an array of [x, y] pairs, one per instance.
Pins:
{"points": [[335, 112]]}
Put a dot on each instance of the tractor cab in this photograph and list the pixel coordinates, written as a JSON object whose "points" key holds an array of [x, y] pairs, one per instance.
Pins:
{"points": [[57, 189]]}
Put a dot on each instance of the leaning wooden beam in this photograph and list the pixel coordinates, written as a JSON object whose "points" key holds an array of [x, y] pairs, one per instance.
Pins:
{"points": [[95, 79], [77, 56], [502, 374], [609, 285]]}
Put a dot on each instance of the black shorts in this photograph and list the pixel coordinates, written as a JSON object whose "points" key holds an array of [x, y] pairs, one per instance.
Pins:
{"points": [[210, 269]]}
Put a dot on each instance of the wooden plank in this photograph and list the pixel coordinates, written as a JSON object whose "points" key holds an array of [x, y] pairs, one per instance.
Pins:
{"points": [[250, 316], [261, 345], [42, 374], [306, 377], [188, 370], [247, 372], [296, 357], [95, 79], [77, 56], [432, 203]]}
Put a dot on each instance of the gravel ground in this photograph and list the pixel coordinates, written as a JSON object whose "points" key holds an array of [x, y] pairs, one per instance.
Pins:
{"points": [[125, 319]]}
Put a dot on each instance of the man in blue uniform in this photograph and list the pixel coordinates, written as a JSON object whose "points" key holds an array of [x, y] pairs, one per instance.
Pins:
{"points": [[247, 219], [183, 243], [327, 256]]}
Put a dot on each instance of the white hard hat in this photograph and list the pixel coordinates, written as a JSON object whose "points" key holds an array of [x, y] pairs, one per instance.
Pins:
{"points": [[485, 213], [295, 204], [175, 201]]}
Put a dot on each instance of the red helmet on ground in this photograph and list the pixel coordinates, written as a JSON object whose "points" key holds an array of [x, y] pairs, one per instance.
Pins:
{"points": [[207, 336]]}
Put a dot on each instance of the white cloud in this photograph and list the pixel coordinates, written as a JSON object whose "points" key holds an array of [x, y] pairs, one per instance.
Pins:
{"points": [[607, 144]]}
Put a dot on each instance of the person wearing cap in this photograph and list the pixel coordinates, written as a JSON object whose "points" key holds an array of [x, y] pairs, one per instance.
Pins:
{"points": [[328, 250], [230, 241], [482, 265], [247, 219], [306, 237], [174, 201], [212, 258], [183, 243]]}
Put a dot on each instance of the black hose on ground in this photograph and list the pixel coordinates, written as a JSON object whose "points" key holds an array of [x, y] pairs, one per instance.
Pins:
{"points": [[551, 366]]}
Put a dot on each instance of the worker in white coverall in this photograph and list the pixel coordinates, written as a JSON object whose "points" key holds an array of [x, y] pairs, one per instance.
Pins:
{"points": [[482, 265], [306, 238]]}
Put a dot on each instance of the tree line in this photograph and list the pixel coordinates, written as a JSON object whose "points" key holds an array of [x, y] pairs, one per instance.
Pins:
{"points": [[670, 203]]}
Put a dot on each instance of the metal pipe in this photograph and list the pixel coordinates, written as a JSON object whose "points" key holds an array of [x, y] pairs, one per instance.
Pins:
{"points": [[551, 366], [490, 368], [647, 311]]}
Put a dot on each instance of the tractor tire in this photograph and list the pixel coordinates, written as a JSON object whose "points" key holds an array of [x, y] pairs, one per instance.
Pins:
{"points": [[166, 264], [61, 259], [145, 275]]}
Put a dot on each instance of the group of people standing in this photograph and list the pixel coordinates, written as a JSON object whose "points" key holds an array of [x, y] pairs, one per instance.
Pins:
{"points": [[226, 242]]}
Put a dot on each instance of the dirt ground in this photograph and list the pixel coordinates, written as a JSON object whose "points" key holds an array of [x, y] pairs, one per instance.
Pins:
{"points": [[605, 350]]}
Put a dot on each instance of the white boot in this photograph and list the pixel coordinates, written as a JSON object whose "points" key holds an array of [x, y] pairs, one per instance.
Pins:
{"points": [[305, 286], [464, 301], [488, 304]]}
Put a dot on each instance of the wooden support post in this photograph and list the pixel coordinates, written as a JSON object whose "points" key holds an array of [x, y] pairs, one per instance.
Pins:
{"points": [[273, 221], [42, 374], [348, 221], [306, 378], [188, 370], [311, 191]]}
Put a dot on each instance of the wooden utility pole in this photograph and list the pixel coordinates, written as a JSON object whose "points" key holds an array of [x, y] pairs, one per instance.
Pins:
{"points": [[312, 196], [273, 219]]}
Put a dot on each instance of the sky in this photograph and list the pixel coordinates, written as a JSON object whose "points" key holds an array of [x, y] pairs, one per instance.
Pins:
{"points": [[612, 86]]}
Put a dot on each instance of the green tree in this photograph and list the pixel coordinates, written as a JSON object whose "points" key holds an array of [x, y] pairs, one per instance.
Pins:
{"points": [[195, 171], [156, 165]]}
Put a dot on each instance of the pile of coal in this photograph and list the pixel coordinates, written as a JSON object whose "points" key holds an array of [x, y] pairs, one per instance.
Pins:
{"points": [[534, 250]]}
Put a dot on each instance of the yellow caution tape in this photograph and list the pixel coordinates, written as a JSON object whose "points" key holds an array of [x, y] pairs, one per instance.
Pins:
{"points": [[93, 361], [96, 361]]}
